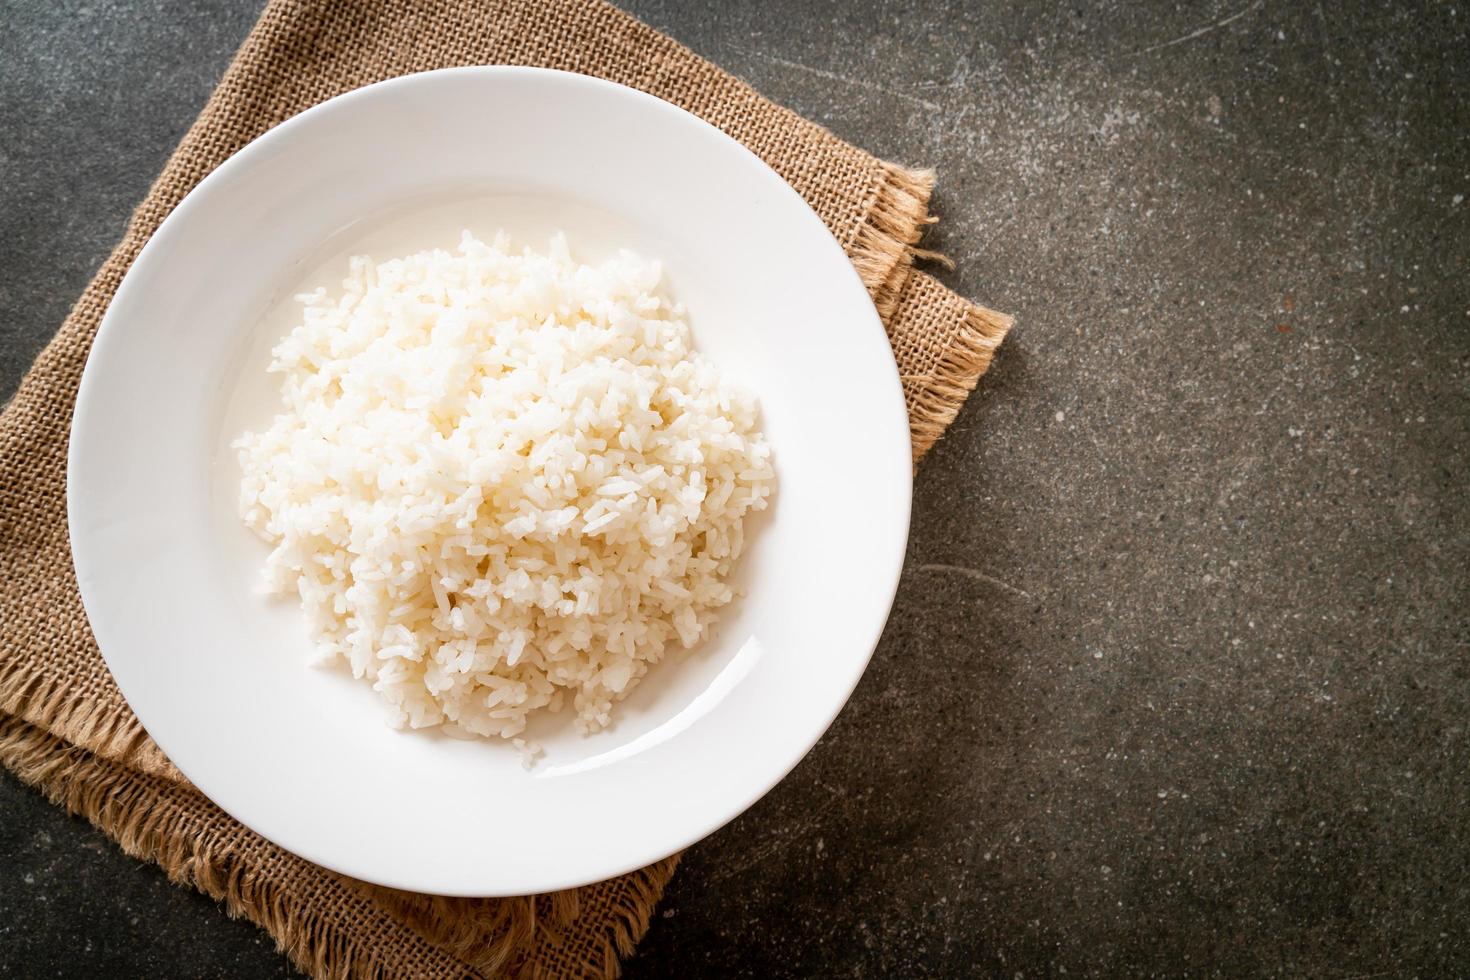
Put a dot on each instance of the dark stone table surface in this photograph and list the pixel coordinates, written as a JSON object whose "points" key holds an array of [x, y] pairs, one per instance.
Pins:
{"points": [[1178, 677]]}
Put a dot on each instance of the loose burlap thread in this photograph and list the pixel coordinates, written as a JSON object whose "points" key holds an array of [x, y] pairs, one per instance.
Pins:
{"points": [[65, 728]]}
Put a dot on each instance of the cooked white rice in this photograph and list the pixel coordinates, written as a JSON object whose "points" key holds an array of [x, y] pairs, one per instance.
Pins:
{"points": [[500, 479]]}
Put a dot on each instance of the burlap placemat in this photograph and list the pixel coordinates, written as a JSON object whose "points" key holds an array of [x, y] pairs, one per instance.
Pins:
{"points": [[66, 729]]}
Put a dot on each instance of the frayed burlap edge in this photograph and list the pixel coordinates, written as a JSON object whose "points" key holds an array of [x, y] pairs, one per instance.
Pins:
{"points": [[629, 922], [964, 363], [102, 792], [58, 710], [883, 249], [883, 246]]}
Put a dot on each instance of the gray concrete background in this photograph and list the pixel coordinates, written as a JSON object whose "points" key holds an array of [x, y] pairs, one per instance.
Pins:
{"points": [[1177, 677]]}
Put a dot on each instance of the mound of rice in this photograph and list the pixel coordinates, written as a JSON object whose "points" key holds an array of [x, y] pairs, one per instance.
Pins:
{"points": [[499, 480]]}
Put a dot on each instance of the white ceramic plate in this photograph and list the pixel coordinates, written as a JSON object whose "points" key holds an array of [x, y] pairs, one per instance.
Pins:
{"points": [[218, 673]]}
